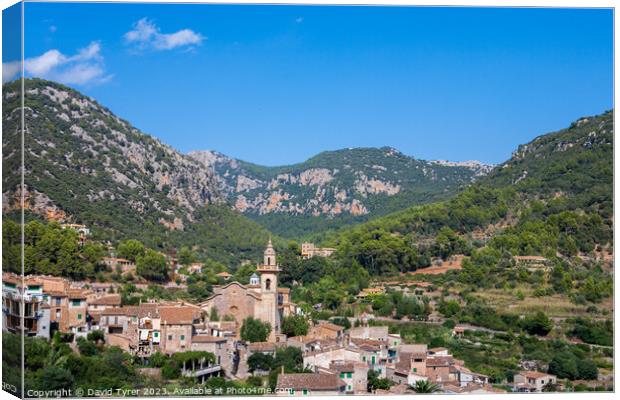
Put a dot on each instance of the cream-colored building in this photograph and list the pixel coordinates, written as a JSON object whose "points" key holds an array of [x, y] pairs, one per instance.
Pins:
{"points": [[261, 298], [309, 250], [533, 381]]}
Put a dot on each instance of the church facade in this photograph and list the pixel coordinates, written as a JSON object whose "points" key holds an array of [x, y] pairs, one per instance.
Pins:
{"points": [[261, 298]]}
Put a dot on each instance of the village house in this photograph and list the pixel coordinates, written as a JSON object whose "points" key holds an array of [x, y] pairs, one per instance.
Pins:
{"points": [[224, 275], [177, 327], [120, 265], [310, 384], [36, 312], [217, 345], [410, 365], [439, 369], [532, 381], [100, 288], [116, 320], [438, 352], [96, 304], [267, 348], [148, 321], [100, 303], [471, 388], [309, 250], [369, 332], [324, 358], [77, 312], [327, 330], [51, 304], [353, 374], [79, 228], [308, 343], [466, 377], [415, 362], [373, 352], [195, 268], [458, 331]]}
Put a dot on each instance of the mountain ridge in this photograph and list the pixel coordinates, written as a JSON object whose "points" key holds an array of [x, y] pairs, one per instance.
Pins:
{"points": [[340, 186]]}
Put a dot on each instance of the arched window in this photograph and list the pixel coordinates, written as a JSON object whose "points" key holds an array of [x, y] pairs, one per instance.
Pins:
{"points": [[268, 284], [268, 260]]}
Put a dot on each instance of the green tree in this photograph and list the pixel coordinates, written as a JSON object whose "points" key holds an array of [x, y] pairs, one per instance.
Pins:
{"points": [[537, 324], [55, 378], [186, 256], [130, 249], [152, 266], [295, 325], [260, 362], [564, 365], [291, 358], [342, 321], [587, 369], [96, 336], [255, 330], [375, 382], [86, 347], [449, 308]]}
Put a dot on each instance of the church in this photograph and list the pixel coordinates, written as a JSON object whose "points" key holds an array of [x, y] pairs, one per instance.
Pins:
{"points": [[261, 298]]}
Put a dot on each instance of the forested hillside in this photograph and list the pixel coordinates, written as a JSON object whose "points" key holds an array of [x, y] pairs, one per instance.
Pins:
{"points": [[553, 197], [83, 164]]}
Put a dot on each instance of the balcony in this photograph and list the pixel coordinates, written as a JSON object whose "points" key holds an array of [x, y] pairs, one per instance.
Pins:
{"points": [[201, 371]]}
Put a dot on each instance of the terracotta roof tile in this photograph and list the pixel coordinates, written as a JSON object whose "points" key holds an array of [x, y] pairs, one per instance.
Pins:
{"points": [[207, 339], [533, 374], [76, 294], [262, 346], [330, 326], [310, 381], [109, 300], [117, 311], [178, 315], [342, 367], [440, 361]]}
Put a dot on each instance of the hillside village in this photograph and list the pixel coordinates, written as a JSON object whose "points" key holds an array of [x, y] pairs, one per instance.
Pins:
{"points": [[336, 360]]}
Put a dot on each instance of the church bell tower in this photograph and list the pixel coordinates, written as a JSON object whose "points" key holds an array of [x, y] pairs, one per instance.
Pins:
{"points": [[269, 271]]}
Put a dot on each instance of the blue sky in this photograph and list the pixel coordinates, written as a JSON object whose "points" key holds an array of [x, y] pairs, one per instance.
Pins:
{"points": [[277, 84]]}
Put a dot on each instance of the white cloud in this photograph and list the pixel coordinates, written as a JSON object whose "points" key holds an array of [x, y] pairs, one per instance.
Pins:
{"points": [[85, 67], [10, 70], [92, 51], [143, 31], [146, 34], [43, 64], [81, 74], [181, 38]]}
